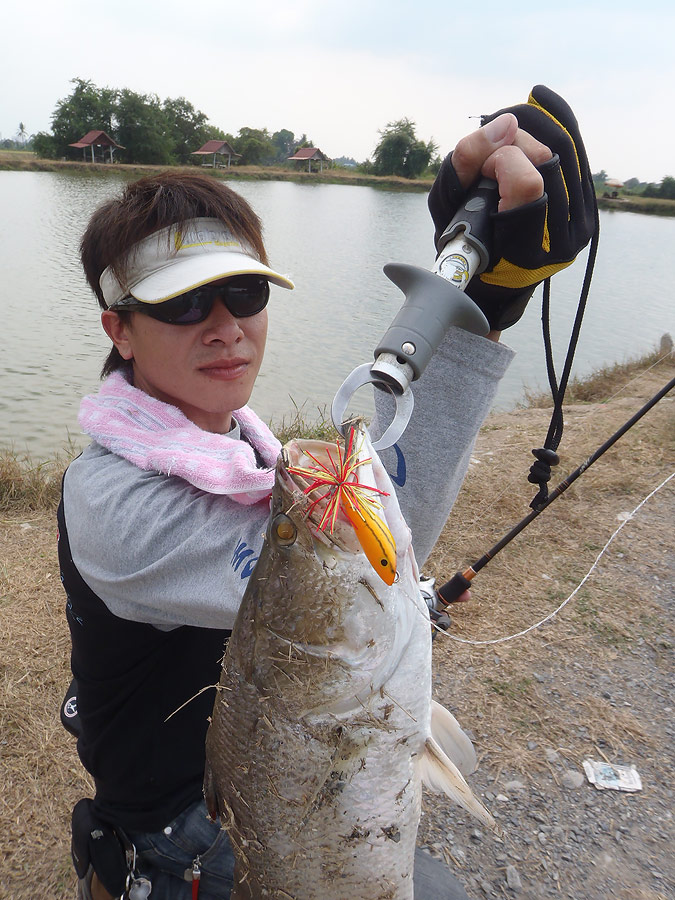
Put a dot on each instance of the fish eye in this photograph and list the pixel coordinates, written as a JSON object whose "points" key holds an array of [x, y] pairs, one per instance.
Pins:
{"points": [[284, 530]]}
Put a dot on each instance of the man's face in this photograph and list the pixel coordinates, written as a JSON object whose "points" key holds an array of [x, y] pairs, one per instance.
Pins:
{"points": [[207, 370]]}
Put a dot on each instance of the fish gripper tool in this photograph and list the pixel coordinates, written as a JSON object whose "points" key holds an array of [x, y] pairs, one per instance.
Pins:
{"points": [[434, 300]]}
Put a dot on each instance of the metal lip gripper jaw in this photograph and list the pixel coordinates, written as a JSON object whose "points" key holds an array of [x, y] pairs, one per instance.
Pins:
{"points": [[434, 300]]}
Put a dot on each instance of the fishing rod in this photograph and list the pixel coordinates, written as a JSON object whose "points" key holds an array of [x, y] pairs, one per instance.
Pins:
{"points": [[452, 589]]}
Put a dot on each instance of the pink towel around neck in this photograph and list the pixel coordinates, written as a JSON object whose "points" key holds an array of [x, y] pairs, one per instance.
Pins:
{"points": [[156, 436]]}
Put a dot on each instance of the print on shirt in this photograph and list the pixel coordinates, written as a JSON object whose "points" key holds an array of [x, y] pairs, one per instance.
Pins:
{"points": [[241, 554], [401, 474]]}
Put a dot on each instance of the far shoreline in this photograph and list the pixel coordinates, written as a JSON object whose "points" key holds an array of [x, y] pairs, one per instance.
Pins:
{"points": [[16, 161], [24, 161]]}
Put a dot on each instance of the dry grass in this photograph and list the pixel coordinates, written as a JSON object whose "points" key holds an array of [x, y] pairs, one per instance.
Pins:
{"points": [[493, 689], [27, 486], [604, 382], [41, 775]]}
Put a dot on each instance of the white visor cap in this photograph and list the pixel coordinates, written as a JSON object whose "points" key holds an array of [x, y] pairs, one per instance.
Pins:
{"points": [[182, 257]]}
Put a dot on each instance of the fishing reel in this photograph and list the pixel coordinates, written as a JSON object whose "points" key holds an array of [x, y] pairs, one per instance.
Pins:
{"points": [[439, 617]]}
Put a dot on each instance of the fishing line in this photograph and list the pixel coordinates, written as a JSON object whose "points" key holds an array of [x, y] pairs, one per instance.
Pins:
{"points": [[555, 612], [637, 377], [487, 505]]}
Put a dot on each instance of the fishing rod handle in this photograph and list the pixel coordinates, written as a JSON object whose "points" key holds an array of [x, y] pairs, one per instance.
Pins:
{"points": [[472, 224], [452, 590]]}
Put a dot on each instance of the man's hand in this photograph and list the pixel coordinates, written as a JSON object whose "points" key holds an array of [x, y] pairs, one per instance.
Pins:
{"points": [[546, 211], [503, 151]]}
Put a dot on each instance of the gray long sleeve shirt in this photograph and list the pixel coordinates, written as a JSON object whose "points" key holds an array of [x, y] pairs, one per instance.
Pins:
{"points": [[157, 550]]}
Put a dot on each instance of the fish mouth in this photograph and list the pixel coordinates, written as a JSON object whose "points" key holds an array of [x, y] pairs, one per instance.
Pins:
{"points": [[305, 500]]}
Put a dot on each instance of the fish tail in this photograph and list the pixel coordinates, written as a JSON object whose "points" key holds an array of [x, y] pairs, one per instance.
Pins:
{"points": [[441, 775]]}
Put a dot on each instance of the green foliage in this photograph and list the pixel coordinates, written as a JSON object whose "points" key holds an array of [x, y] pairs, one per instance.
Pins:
{"points": [[284, 144], [260, 148], [399, 152], [345, 162], [255, 146], [151, 131], [599, 178], [141, 128], [187, 129], [44, 145], [665, 190], [87, 108]]}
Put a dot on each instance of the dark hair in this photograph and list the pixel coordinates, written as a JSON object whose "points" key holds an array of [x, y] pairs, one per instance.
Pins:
{"points": [[153, 203]]}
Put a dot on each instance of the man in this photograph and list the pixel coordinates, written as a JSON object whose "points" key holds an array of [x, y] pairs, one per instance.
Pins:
{"points": [[162, 515]]}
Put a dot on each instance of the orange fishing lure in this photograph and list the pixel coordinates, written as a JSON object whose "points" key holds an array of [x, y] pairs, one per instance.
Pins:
{"points": [[345, 493]]}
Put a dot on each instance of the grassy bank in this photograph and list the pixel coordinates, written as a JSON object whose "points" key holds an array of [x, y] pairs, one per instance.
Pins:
{"points": [[23, 161], [651, 206], [16, 160]]}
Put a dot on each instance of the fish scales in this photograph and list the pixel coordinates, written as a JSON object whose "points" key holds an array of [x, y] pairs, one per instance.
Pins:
{"points": [[323, 711]]}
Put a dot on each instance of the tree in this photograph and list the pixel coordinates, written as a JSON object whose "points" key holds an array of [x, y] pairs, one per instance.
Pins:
{"points": [[399, 151], [142, 128], [599, 178], [284, 144], [186, 128], [22, 135], [87, 108], [665, 190], [255, 146], [45, 146]]}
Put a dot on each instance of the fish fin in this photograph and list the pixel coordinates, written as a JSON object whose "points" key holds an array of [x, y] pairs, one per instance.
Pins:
{"points": [[440, 774], [211, 794], [448, 734]]}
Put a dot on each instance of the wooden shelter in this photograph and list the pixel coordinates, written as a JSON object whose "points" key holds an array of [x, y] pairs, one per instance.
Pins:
{"points": [[215, 148], [310, 154], [93, 139]]}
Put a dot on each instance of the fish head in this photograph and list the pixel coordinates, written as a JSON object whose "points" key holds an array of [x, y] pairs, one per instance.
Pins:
{"points": [[317, 620]]}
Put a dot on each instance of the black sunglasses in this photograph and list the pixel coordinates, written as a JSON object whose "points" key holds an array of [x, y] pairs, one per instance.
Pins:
{"points": [[243, 295]]}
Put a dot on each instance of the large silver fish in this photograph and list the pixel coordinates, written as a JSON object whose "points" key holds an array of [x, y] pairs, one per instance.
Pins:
{"points": [[324, 728]]}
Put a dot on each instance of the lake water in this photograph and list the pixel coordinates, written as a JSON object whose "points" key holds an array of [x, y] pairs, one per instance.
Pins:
{"points": [[333, 240]]}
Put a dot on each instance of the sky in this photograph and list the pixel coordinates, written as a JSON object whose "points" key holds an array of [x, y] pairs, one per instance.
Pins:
{"points": [[341, 71]]}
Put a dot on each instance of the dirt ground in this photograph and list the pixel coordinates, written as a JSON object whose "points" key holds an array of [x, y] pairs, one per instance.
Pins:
{"points": [[594, 682]]}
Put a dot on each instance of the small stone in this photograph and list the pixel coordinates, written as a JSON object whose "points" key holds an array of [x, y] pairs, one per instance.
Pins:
{"points": [[476, 835], [503, 798], [551, 755], [532, 745], [513, 879], [25, 526], [541, 837], [514, 786], [572, 779]]}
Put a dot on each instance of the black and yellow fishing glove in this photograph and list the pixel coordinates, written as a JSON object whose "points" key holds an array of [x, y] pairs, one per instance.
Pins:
{"points": [[532, 242]]}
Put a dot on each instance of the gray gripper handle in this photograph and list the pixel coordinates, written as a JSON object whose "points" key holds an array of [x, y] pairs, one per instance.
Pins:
{"points": [[431, 305], [473, 218]]}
